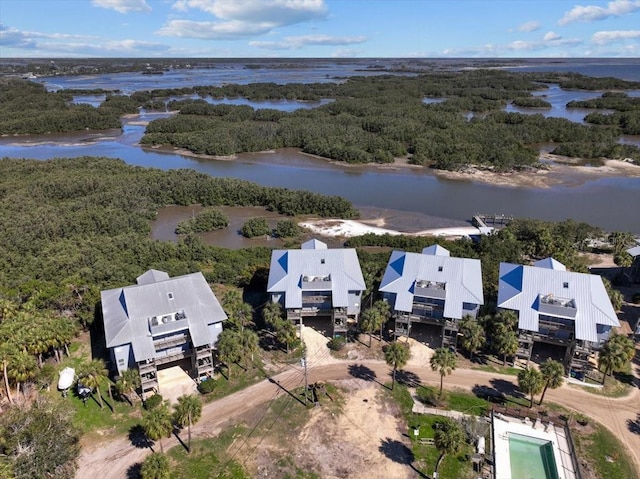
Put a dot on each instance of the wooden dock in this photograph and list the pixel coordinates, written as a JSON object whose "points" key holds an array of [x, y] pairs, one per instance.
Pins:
{"points": [[487, 221]]}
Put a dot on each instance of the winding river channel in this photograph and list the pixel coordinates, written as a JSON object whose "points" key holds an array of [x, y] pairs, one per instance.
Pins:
{"points": [[612, 203]]}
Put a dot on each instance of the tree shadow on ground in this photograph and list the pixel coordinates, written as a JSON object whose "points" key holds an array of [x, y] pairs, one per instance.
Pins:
{"points": [[634, 425], [407, 378], [360, 371], [489, 393], [479, 359], [506, 387], [626, 378], [138, 438], [134, 471], [398, 452]]}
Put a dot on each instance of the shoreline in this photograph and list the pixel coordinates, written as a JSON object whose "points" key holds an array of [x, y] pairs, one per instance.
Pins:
{"points": [[339, 228], [559, 171]]}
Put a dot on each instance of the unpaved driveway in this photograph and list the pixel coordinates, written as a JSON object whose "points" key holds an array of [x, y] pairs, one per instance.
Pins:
{"points": [[111, 459]]}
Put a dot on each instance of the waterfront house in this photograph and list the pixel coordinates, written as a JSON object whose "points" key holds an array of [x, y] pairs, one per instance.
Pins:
{"points": [[432, 288], [315, 281], [558, 307], [162, 321], [632, 274]]}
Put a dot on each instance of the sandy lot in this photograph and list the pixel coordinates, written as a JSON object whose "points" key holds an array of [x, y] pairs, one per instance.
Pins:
{"points": [[364, 440]]}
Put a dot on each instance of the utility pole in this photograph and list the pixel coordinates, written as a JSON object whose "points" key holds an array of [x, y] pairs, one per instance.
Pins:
{"points": [[303, 362]]}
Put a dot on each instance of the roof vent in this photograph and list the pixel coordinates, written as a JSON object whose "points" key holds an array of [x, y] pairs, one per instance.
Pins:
{"points": [[565, 285], [170, 295], [439, 268], [321, 260]]}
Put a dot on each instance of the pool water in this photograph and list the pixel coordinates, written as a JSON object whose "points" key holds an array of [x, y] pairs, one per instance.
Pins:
{"points": [[531, 458]]}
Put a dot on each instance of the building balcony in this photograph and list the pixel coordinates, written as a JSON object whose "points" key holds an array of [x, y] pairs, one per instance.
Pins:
{"points": [[555, 306], [430, 289]]}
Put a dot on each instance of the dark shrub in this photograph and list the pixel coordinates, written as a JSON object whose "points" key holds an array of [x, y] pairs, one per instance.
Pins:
{"points": [[153, 402]]}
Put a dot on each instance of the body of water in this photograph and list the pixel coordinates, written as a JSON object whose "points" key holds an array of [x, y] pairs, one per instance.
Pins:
{"points": [[611, 203]]}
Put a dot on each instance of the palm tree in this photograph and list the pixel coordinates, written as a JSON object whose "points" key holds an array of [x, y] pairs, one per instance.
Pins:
{"points": [[127, 383], [21, 367], [615, 354], [505, 342], [92, 374], [229, 347], [187, 412], [370, 321], [6, 351], [249, 344], [449, 439], [157, 424], [530, 381], [385, 311], [271, 313], [396, 355], [473, 336], [443, 361], [615, 296], [286, 332], [552, 374], [155, 466]]}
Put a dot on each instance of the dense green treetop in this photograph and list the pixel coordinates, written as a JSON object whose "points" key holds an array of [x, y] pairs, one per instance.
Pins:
{"points": [[74, 226]]}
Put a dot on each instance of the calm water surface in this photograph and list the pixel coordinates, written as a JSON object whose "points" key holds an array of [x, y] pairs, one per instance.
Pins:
{"points": [[611, 203]]}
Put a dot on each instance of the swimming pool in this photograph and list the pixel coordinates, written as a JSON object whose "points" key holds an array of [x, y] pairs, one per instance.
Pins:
{"points": [[531, 458]]}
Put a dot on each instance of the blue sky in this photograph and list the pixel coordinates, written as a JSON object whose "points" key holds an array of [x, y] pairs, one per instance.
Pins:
{"points": [[319, 28]]}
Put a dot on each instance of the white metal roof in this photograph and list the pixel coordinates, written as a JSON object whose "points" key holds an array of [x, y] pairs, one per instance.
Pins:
{"points": [[462, 278], [635, 250], [521, 288], [288, 267], [126, 311]]}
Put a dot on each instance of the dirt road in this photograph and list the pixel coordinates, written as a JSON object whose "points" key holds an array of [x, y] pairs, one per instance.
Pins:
{"points": [[112, 459]]}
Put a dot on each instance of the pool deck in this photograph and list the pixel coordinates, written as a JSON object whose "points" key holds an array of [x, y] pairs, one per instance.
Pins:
{"points": [[503, 425]]}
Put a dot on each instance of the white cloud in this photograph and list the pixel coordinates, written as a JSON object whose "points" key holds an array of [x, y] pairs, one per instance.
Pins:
{"points": [[235, 19], [291, 43], [60, 44], [531, 26], [283, 12], [212, 30], [123, 6], [590, 13], [602, 38], [550, 36]]}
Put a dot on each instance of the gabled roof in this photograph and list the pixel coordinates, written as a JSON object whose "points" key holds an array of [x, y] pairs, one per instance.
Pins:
{"points": [[127, 311], [462, 278], [436, 250], [289, 267], [525, 288], [550, 263]]}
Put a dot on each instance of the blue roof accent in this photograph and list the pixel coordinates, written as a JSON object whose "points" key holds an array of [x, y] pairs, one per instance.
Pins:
{"points": [[123, 303], [398, 265], [514, 278], [284, 262], [412, 288]]}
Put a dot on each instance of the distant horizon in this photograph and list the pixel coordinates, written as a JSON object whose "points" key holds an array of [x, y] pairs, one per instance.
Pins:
{"points": [[339, 59], [428, 29]]}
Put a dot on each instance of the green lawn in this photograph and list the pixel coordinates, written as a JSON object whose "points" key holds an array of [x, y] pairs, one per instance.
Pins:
{"points": [[209, 458], [425, 456], [602, 450]]}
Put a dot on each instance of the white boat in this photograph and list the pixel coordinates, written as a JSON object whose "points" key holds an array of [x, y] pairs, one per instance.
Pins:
{"points": [[67, 376]]}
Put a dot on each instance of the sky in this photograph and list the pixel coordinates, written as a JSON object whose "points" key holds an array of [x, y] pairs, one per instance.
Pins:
{"points": [[319, 28]]}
